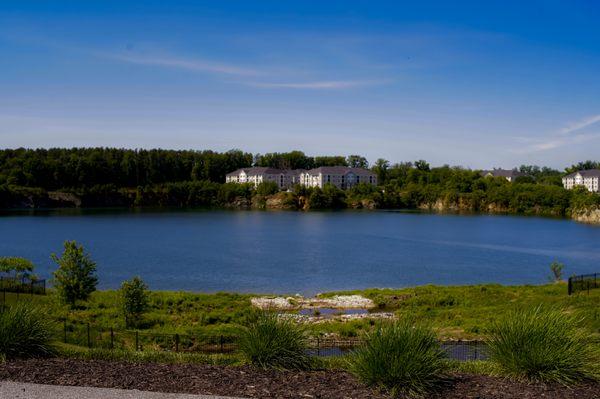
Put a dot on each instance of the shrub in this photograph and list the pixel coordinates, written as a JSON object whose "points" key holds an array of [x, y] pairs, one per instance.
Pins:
{"points": [[542, 345], [402, 358], [557, 271], [25, 331], [267, 188], [21, 267], [75, 278], [134, 296], [271, 342]]}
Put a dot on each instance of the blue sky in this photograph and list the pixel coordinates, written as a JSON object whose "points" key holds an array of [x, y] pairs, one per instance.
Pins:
{"points": [[478, 84]]}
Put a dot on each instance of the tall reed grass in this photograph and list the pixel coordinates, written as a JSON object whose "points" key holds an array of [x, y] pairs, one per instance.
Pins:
{"points": [[25, 331], [542, 345], [401, 358], [270, 342]]}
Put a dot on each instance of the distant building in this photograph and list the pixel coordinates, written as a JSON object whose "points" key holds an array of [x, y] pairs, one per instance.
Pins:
{"points": [[586, 178], [256, 175], [509, 175], [340, 176]]}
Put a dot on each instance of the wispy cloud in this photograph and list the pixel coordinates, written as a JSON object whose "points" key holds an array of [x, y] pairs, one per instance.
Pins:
{"points": [[580, 124], [553, 142], [196, 65], [205, 66], [568, 135], [318, 85]]}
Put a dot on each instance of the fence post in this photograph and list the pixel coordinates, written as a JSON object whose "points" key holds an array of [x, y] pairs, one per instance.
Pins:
{"points": [[176, 342], [112, 338], [221, 342], [137, 340], [570, 285], [318, 346], [588, 287], [89, 341]]}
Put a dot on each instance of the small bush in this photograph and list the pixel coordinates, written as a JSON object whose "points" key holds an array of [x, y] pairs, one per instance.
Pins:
{"points": [[402, 358], [557, 271], [24, 332], [135, 300], [270, 342], [543, 345]]}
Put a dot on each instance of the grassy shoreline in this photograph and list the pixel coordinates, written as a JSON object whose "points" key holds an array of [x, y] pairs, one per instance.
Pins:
{"points": [[455, 312]]}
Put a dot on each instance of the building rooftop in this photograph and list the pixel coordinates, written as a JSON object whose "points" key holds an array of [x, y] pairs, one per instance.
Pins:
{"points": [[258, 170], [586, 173], [341, 170], [502, 173]]}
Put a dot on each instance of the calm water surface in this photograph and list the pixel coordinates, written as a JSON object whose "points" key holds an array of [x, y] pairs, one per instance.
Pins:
{"points": [[295, 252]]}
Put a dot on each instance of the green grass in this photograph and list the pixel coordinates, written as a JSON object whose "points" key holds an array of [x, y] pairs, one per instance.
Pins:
{"points": [[455, 312], [169, 311], [543, 345], [77, 352], [403, 358], [270, 342], [467, 312], [25, 331]]}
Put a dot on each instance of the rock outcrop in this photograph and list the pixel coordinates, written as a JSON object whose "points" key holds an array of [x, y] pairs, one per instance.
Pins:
{"points": [[591, 215]]}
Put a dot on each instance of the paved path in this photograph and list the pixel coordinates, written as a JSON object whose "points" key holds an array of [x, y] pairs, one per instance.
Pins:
{"points": [[19, 390]]}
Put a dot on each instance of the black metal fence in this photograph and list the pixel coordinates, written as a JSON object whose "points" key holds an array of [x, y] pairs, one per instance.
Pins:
{"points": [[584, 282], [20, 287], [91, 336], [110, 338]]}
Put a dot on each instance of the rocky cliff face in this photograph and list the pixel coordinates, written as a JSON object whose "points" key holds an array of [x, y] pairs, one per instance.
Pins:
{"points": [[64, 199], [362, 204], [591, 216], [283, 201]]}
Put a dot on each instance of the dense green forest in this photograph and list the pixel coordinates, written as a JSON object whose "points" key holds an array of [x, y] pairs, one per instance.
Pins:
{"points": [[123, 177]]}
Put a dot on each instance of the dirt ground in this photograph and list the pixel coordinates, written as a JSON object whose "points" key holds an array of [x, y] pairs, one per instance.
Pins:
{"points": [[252, 383]]}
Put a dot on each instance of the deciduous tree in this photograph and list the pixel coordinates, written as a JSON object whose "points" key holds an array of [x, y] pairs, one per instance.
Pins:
{"points": [[75, 279]]}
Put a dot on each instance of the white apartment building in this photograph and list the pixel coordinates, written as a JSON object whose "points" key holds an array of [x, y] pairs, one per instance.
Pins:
{"points": [[340, 176], [589, 179], [257, 175]]}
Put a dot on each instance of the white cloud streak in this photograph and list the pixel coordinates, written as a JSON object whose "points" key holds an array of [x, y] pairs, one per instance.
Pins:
{"points": [[555, 142], [580, 124], [195, 65], [205, 66], [317, 85], [568, 135]]}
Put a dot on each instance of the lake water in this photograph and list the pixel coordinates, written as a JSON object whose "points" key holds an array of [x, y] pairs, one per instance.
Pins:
{"points": [[297, 252]]}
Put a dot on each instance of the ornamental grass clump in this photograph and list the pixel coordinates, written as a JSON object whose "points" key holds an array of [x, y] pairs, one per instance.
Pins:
{"points": [[25, 331], [270, 342], [542, 345], [402, 358]]}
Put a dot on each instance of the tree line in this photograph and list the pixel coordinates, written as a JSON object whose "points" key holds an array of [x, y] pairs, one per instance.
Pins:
{"points": [[70, 168], [124, 177]]}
